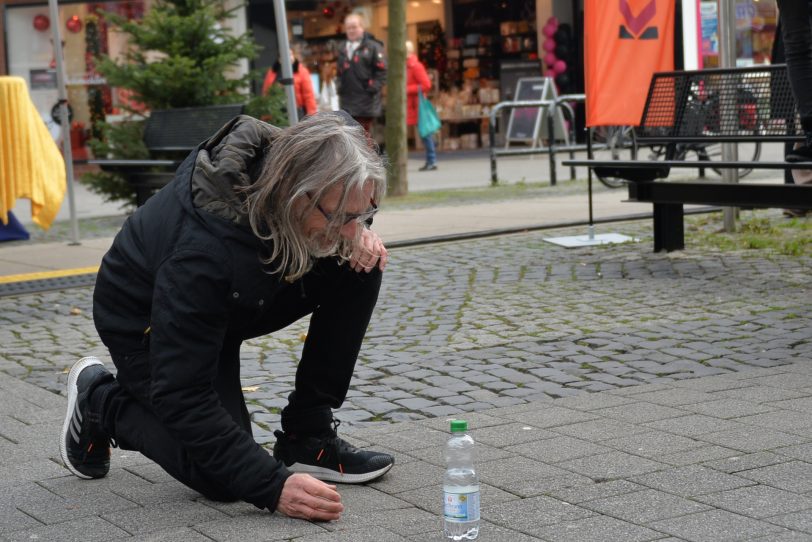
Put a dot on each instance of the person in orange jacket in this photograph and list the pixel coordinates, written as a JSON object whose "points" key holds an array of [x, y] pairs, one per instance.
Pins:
{"points": [[302, 85], [416, 80]]}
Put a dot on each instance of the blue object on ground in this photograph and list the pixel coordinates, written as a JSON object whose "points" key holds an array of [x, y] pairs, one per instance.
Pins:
{"points": [[13, 231]]}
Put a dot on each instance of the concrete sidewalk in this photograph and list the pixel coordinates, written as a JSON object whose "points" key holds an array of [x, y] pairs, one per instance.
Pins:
{"points": [[457, 170], [614, 394], [392, 225], [716, 458]]}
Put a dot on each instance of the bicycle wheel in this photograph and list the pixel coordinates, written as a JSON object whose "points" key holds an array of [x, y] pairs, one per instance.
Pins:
{"points": [[748, 152], [620, 142]]}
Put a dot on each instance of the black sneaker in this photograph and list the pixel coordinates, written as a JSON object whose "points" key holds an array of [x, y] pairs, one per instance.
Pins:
{"points": [[428, 167], [802, 153], [330, 458], [84, 447]]}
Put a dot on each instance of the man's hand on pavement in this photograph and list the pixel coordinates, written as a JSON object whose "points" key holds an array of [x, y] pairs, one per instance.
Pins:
{"points": [[305, 497]]}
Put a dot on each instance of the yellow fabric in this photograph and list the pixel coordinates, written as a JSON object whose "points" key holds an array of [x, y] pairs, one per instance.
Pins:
{"points": [[31, 165]]}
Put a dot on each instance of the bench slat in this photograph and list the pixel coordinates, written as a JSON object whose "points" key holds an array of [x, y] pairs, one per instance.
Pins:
{"points": [[724, 194], [644, 164]]}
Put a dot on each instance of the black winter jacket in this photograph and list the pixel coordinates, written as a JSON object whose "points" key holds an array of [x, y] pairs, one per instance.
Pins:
{"points": [[186, 267], [361, 78]]}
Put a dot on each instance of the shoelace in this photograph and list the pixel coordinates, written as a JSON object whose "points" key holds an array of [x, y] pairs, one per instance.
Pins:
{"points": [[334, 445]]}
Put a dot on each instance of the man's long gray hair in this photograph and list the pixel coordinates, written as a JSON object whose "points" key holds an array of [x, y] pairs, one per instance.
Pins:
{"points": [[305, 161]]}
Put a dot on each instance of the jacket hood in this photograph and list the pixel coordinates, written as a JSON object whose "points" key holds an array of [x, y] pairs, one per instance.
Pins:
{"points": [[230, 160], [277, 67]]}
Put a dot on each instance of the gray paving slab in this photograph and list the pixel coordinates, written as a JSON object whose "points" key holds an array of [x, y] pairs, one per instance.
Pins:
{"points": [[558, 449], [598, 529], [788, 428], [706, 405], [694, 456], [793, 476], [182, 534], [258, 525], [745, 462], [653, 444], [691, 481], [646, 506], [163, 516], [362, 533], [716, 525], [611, 466], [594, 491], [487, 531], [797, 521], [92, 528], [529, 515], [692, 425], [757, 501]]}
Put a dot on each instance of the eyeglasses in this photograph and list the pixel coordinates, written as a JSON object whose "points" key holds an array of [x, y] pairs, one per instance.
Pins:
{"points": [[348, 217]]}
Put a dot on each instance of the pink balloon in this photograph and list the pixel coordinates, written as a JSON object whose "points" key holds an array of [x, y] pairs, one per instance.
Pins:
{"points": [[548, 30], [549, 45], [559, 67], [550, 59]]}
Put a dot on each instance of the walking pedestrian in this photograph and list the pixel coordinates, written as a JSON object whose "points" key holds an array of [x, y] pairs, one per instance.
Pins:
{"points": [[302, 85], [259, 228], [417, 81]]}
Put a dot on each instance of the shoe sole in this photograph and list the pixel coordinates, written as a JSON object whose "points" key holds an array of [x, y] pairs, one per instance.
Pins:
{"points": [[328, 475], [73, 395]]}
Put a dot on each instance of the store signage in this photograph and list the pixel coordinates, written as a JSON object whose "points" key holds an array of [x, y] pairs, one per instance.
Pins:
{"points": [[42, 79]]}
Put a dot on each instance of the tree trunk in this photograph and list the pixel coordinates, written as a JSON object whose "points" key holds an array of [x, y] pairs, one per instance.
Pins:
{"points": [[397, 182]]}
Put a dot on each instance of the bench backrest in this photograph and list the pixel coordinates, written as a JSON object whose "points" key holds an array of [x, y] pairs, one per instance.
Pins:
{"points": [[185, 128], [737, 104]]}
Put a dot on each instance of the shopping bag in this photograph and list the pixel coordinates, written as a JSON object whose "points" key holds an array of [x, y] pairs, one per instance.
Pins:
{"points": [[428, 121]]}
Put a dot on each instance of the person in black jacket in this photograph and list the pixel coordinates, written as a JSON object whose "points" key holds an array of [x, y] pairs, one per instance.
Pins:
{"points": [[259, 228], [361, 72], [796, 31]]}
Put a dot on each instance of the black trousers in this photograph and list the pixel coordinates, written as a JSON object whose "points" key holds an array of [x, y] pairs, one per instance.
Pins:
{"points": [[341, 302], [797, 34]]}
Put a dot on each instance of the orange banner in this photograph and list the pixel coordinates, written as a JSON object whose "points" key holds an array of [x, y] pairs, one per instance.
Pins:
{"points": [[625, 42]]}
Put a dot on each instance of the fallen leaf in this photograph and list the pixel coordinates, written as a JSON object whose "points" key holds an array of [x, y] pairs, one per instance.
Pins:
{"points": [[303, 337], [249, 389], [75, 311]]}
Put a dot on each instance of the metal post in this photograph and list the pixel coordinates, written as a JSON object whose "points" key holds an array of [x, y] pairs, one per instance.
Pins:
{"points": [[551, 111], [492, 143], [589, 182], [67, 152], [284, 59], [727, 104]]}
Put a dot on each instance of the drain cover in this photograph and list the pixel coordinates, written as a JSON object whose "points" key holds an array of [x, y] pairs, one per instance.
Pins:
{"points": [[46, 284]]}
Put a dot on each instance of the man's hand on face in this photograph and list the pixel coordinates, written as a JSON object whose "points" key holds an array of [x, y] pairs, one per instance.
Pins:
{"points": [[305, 497], [369, 253]]}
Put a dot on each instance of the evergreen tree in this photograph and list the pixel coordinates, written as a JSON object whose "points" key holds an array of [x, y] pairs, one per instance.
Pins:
{"points": [[180, 55]]}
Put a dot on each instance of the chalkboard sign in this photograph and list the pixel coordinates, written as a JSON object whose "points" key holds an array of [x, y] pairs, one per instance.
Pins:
{"points": [[528, 124]]}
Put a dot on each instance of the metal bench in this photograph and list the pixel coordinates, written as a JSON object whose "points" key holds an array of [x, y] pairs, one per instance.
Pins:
{"points": [[736, 105], [169, 135]]}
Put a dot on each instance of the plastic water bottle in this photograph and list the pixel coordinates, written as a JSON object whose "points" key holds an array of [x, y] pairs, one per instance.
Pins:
{"points": [[460, 485]]}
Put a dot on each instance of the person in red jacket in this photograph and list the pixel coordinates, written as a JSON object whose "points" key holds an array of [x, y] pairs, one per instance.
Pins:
{"points": [[302, 84], [416, 80]]}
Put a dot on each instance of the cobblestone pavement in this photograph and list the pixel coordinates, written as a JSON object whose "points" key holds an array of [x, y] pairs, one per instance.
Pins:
{"points": [[468, 326]]}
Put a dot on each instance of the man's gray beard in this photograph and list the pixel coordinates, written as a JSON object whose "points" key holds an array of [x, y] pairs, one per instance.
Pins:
{"points": [[317, 248]]}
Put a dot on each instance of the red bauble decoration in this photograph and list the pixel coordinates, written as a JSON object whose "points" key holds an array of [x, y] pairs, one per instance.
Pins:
{"points": [[328, 12], [74, 24], [41, 23]]}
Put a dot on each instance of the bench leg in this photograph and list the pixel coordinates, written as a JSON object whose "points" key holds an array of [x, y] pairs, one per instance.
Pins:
{"points": [[669, 233]]}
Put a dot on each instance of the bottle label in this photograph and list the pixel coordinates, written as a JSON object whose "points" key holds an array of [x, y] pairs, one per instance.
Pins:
{"points": [[461, 506]]}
